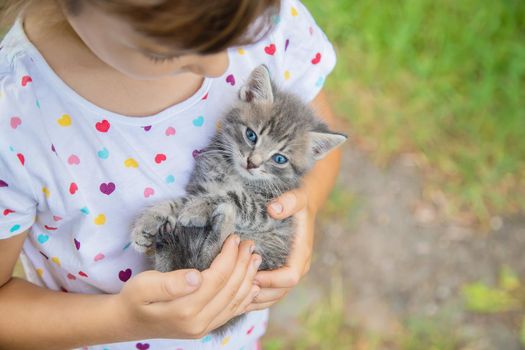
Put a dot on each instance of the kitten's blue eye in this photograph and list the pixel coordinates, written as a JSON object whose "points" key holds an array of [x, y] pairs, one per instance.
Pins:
{"points": [[279, 158], [251, 135]]}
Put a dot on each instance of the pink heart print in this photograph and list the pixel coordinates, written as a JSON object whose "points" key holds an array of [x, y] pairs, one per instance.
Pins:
{"points": [[15, 122]]}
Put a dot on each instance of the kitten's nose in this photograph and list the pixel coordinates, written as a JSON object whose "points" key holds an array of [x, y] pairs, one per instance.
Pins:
{"points": [[254, 161], [250, 165]]}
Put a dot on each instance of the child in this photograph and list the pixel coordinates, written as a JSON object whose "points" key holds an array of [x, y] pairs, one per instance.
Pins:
{"points": [[103, 106]]}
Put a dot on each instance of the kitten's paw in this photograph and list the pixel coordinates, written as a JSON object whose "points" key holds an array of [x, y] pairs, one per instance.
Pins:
{"points": [[157, 219], [195, 213], [191, 220]]}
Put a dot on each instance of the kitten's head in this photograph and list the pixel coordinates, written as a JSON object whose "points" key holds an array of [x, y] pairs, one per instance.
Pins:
{"points": [[274, 138]]}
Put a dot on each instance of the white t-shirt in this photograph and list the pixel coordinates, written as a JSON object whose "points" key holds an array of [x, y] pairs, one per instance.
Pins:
{"points": [[77, 174]]}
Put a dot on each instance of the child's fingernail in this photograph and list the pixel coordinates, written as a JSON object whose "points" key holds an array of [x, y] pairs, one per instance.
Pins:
{"points": [[256, 262], [277, 207], [192, 278]]}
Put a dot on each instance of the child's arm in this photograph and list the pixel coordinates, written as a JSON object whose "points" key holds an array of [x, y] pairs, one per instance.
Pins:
{"points": [[304, 203], [150, 305]]}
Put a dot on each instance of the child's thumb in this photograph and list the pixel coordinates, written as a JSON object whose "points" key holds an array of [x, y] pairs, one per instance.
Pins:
{"points": [[166, 286]]}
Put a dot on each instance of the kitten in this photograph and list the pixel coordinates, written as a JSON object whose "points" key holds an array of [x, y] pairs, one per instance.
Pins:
{"points": [[267, 143]]}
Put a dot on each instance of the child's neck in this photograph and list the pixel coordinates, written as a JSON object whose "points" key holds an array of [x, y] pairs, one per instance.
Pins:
{"points": [[99, 83]]}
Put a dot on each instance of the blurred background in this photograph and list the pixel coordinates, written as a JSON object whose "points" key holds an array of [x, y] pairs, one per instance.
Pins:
{"points": [[422, 243]]}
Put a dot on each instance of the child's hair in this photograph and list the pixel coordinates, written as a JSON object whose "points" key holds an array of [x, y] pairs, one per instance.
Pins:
{"points": [[200, 26]]}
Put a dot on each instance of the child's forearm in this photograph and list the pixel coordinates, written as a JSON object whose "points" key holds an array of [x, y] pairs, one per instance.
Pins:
{"points": [[321, 179], [37, 318]]}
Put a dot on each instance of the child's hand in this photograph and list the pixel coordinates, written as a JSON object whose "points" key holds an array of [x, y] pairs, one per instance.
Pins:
{"points": [[165, 305], [277, 283]]}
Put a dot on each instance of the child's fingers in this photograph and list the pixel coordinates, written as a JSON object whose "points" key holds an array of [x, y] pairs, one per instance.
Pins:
{"points": [[228, 294], [226, 316], [246, 288], [218, 275], [155, 286]]}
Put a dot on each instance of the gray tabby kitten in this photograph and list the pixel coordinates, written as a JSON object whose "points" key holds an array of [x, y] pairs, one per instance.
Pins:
{"points": [[267, 143]]}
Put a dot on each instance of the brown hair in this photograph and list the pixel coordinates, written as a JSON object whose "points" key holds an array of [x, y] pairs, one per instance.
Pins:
{"points": [[200, 26]]}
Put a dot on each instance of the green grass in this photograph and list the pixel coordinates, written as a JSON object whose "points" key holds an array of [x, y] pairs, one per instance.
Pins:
{"points": [[443, 79]]}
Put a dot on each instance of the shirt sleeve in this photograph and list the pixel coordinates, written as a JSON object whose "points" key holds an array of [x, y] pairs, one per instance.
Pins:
{"points": [[304, 55], [17, 198]]}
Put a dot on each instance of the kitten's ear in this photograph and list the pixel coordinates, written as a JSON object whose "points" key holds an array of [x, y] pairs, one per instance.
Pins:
{"points": [[323, 142], [258, 87]]}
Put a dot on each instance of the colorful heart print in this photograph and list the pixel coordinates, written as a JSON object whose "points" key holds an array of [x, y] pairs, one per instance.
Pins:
{"points": [[148, 192], [170, 131], [26, 79], [230, 79], [42, 238], [64, 121], [142, 346], [124, 275], [77, 243], [102, 126], [270, 49], [21, 158], [73, 160], [8, 211], [103, 153], [107, 188], [199, 121], [3, 183], [99, 257], [160, 157], [73, 188], [15, 122], [100, 219], [317, 58], [131, 163]]}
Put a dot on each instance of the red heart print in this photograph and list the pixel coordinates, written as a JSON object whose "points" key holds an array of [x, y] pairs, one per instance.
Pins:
{"points": [[8, 211], [73, 188], [270, 49], [317, 58], [21, 158], [159, 158], [142, 346], [57, 218], [50, 228], [26, 79], [71, 277], [205, 96], [82, 273], [103, 126], [250, 330], [124, 275]]}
